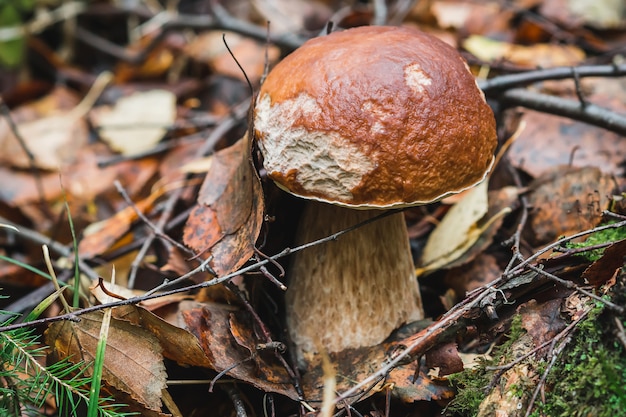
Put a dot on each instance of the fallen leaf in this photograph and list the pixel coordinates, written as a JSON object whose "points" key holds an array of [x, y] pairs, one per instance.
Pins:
{"points": [[228, 217], [238, 357], [466, 229], [50, 130], [540, 55], [501, 202], [572, 142], [599, 14], [54, 137], [159, 61], [542, 320], [101, 236], [446, 358], [178, 344], [453, 232], [471, 17], [293, 16], [137, 122], [568, 200], [603, 269], [133, 363]]}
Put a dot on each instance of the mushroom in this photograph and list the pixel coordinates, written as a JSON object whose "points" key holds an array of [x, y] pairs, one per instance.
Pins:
{"points": [[360, 121]]}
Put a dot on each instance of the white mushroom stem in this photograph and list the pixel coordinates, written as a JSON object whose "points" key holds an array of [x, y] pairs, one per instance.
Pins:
{"points": [[354, 291]]}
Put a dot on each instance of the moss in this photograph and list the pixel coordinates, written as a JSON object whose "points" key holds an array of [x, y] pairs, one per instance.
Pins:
{"points": [[598, 238], [588, 379], [471, 384]]}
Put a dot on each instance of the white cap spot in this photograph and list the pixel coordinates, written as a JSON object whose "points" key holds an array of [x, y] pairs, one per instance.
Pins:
{"points": [[324, 162], [416, 78]]}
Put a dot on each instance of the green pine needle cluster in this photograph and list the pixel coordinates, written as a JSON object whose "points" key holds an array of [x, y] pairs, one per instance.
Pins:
{"points": [[26, 383]]}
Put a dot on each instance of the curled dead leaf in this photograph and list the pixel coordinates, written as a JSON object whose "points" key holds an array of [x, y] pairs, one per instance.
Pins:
{"points": [[228, 217]]}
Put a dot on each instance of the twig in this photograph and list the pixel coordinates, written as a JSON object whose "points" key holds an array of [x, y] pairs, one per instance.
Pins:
{"points": [[267, 274], [517, 236], [235, 397], [268, 402], [380, 13], [68, 10], [494, 86], [519, 268], [591, 113], [228, 369], [158, 232], [166, 214], [572, 286], [578, 88], [573, 251]]}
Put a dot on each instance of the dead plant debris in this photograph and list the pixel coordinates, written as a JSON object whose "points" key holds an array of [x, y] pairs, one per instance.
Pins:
{"points": [[125, 149]]}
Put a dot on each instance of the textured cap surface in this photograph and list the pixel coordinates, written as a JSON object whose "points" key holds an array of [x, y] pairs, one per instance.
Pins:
{"points": [[374, 117]]}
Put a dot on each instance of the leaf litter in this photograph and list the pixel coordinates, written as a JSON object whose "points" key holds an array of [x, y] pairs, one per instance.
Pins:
{"points": [[490, 259]]}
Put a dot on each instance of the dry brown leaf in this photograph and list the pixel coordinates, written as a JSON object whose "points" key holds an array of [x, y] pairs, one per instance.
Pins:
{"points": [[604, 268], [101, 236], [446, 358], [159, 61], [53, 136], [53, 141], [572, 142], [228, 217], [215, 327], [542, 321], [568, 200], [133, 363], [178, 344]]}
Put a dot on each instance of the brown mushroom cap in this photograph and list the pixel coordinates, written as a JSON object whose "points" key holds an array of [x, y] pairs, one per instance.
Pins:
{"points": [[374, 117]]}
